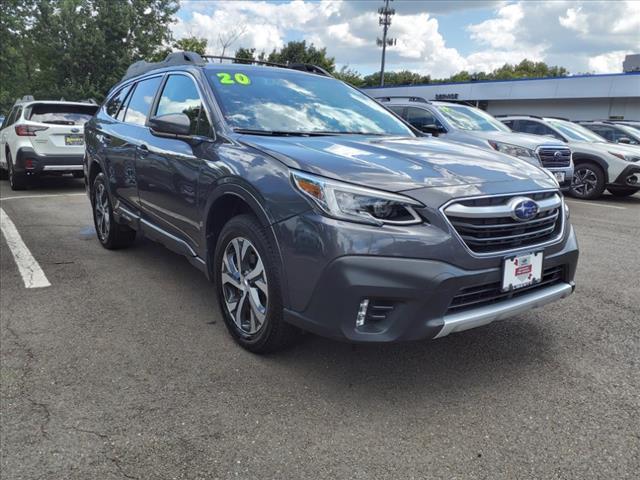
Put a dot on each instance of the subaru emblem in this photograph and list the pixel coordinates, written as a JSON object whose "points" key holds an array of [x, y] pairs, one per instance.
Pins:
{"points": [[557, 155], [524, 208]]}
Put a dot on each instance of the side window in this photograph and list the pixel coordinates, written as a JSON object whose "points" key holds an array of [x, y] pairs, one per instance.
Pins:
{"points": [[9, 120], [419, 117], [604, 132], [509, 123], [17, 115], [180, 95], [141, 100], [116, 103], [397, 110], [536, 128]]}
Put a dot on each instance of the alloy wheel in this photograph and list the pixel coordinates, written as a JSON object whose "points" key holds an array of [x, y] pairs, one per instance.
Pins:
{"points": [[101, 207], [584, 181], [244, 285]]}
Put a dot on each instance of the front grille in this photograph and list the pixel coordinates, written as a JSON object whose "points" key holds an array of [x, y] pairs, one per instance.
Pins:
{"points": [[554, 157], [486, 225], [481, 295]]}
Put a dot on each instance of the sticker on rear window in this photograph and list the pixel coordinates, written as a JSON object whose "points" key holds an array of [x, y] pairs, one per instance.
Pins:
{"points": [[238, 78]]}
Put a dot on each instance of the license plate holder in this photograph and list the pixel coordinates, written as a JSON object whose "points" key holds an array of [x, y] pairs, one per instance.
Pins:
{"points": [[521, 271], [74, 140]]}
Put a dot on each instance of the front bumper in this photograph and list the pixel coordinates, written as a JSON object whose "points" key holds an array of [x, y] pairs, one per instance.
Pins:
{"points": [[629, 177], [410, 299], [29, 162], [568, 176]]}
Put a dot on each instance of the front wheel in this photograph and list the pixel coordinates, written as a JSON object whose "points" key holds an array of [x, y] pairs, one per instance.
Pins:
{"points": [[111, 235], [622, 192], [588, 181], [248, 283]]}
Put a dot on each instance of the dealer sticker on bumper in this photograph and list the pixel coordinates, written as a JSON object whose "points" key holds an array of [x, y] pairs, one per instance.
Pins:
{"points": [[522, 271], [559, 176]]}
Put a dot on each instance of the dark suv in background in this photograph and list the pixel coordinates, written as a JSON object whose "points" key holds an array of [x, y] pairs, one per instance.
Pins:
{"points": [[311, 206]]}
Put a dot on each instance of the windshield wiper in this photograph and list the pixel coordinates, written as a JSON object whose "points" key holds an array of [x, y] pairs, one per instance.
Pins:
{"points": [[275, 133], [317, 133]]}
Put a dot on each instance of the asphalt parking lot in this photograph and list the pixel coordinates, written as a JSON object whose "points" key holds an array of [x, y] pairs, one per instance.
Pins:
{"points": [[121, 368]]}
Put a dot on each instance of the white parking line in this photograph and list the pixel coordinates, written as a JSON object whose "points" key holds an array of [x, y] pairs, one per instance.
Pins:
{"points": [[44, 196], [595, 204], [32, 274]]}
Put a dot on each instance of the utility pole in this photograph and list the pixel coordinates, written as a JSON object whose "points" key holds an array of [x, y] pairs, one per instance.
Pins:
{"points": [[385, 20]]}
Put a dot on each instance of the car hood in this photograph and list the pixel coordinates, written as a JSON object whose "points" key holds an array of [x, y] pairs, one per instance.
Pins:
{"points": [[520, 139], [399, 163], [603, 148]]}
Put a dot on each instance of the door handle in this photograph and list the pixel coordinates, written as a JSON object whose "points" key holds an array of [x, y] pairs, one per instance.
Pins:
{"points": [[142, 150]]}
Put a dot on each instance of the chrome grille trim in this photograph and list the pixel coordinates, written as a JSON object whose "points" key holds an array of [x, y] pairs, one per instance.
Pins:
{"points": [[498, 211], [547, 157], [535, 229]]}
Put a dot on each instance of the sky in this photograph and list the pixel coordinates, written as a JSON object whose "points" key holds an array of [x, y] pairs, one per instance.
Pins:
{"points": [[438, 38]]}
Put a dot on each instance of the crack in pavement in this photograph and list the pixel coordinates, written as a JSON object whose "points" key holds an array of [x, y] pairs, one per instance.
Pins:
{"points": [[116, 462]]}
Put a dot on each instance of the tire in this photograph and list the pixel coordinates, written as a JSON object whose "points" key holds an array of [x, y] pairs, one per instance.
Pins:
{"points": [[111, 234], [4, 173], [78, 174], [622, 192], [17, 181], [588, 181], [256, 323]]}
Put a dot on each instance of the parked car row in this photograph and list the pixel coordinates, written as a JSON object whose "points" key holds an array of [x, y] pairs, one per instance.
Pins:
{"points": [[582, 161]]}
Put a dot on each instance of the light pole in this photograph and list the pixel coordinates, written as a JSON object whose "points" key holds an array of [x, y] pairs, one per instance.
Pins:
{"points": [[385, 20]]}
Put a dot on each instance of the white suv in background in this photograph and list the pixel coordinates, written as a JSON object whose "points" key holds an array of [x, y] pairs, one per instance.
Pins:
{"points": [[41, 137]]}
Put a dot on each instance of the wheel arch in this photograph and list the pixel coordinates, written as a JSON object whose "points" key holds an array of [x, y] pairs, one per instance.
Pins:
{"points": [[228, 201], [579, 158]]}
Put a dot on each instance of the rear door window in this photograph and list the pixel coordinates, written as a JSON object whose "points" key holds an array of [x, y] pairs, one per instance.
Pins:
{"points": [[180, 95], [61, 114], [141, 101], [536, 128]]}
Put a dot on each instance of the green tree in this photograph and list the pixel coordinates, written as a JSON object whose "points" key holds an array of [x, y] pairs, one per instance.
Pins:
{"points": [[191, 44], [403, 77], [79, 48], [350, 76], [300, 52]]}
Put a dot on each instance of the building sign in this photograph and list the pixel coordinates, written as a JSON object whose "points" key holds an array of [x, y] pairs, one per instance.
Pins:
{"points": [[446, 96]]}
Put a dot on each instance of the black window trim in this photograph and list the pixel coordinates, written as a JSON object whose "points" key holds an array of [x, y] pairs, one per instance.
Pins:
{"points": [[113, 96]]}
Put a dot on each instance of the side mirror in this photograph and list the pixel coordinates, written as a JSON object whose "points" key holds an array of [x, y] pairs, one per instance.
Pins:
{"points": [[430, 128], [177, 125], [624, 140]]}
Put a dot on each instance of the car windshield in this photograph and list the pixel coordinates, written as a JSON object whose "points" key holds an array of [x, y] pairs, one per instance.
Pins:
{"points": [[276, 100], [575, 132], [468, 118]]}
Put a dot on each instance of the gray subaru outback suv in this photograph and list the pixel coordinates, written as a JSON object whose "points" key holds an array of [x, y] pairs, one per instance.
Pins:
{"points": [[310, 206]]}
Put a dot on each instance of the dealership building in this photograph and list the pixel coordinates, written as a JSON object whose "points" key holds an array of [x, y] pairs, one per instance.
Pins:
{"points": [[581, 97]]}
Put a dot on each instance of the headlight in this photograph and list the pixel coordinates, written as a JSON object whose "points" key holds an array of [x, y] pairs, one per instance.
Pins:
{"points": [[516, 151], [357, 204], [622, 156]]}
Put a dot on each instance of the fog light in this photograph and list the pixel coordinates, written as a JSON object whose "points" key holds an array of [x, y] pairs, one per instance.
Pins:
{"points": [[362, 312], [632, 179]]}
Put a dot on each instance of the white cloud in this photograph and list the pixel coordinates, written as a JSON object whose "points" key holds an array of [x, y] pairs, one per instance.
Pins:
{"points": [[610, 62], [582, 36], [499, 32], [575, 20]]}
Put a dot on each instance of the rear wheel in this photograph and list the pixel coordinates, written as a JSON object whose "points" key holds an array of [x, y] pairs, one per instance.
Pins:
{"points": [[588, 181], [622, 192], [111, 235], [17, 180], [248, 284]]}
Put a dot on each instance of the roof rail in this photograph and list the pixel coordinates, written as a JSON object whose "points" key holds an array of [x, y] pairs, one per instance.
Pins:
{"points": [[410, 98], [305, 67], [519, 115], [25, 99], [562, 118], [175, 58]]}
